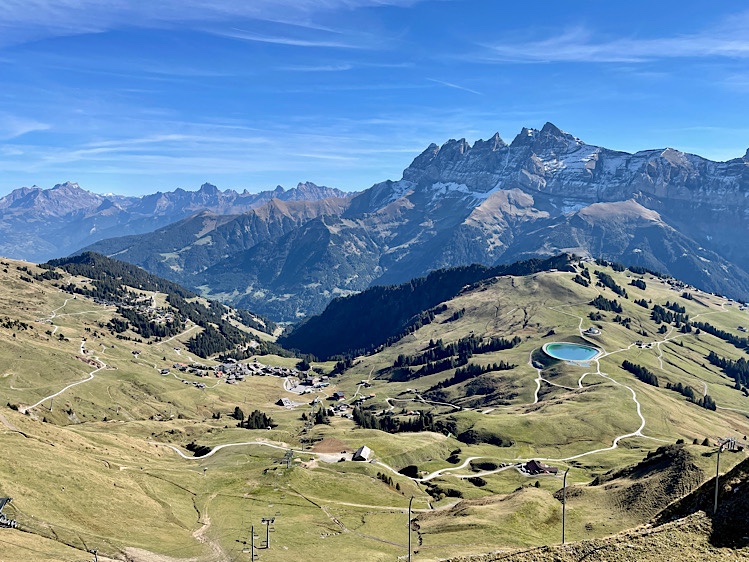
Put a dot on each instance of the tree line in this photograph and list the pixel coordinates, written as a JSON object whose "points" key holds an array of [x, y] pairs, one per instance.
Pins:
{"points": [[605, 280], [736, 341], [581, 280], [255, 420], [12, 324], [391, 424], [467, 346], [439, 357], [647, 376], [737, 370], [642, 373], [146, 327], [639, 270], [602, 303], [661, 315], [705, 401], [367, 320], [675, 307], [471, 371]]}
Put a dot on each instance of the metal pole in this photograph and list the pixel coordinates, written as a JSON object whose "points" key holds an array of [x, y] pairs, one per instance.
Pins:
{"points": [[564, 502], [252, 542], [267, 521], [409, 528], [717, 473]]}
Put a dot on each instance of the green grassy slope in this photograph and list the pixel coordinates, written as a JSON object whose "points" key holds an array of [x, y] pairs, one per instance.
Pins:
{"points": [[80, 482]]}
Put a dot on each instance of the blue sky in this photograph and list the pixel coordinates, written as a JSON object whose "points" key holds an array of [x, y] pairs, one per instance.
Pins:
{"points": [[133, 97]]}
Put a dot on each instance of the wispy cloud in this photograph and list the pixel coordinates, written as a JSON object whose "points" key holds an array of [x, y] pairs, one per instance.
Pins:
{"points": [[368, 87], [211, 150], [318, 68], [455, 86], [245, 35], [579, 45], [132, 68], [12, 126], [22, 20], [738, 82], [162, 152]]}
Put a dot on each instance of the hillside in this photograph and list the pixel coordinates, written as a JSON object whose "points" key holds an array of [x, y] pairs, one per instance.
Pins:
{"points": [[127, 287], [730, 526], [361, 322], [685, 540], [187, 247], [110, 444], [567, 415], [458, 204], [687, 530]]}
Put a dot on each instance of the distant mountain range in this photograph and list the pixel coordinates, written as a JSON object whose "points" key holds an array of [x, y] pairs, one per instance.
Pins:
{"points": [[286, 254], [38, 224]]}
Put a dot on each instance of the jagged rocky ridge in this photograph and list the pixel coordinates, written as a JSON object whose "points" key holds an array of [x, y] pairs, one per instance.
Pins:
{"points": [[491, 203], [38, 224]]}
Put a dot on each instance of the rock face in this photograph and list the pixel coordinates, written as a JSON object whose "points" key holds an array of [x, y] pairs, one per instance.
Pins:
{"points": [[38, 224], [547, 191], [490, 202]]}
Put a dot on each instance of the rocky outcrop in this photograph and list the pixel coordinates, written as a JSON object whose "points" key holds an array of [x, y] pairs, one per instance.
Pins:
{"points": [[488, 202]]}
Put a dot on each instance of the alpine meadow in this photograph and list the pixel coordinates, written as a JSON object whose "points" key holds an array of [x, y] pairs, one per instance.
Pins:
{"points": [[374, 280]]}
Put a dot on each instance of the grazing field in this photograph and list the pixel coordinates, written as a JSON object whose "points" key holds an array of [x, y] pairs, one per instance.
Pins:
{"points": [[109, 445]]}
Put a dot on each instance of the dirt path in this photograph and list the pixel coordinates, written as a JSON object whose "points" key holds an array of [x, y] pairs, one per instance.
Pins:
{"points": [[90, 377], [733, 410], [140, 555], [514, 464], [53, 314], [217, 553], [421, 400], [83, 352], [325, 457], [358, 388], [200, 535], [188, 330], [7, 423], [538, 378]]}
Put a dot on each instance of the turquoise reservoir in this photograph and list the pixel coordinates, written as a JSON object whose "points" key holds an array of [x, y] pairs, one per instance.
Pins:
{"points": [[571, 351]]}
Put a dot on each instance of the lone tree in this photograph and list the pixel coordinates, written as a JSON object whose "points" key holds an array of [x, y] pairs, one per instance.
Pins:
{"points": [[321, 416], [303, 365]]}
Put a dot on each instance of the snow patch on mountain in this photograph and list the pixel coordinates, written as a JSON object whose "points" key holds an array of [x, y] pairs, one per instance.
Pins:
{"points": [[571, 207], [441, 190], [399, 189]]}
